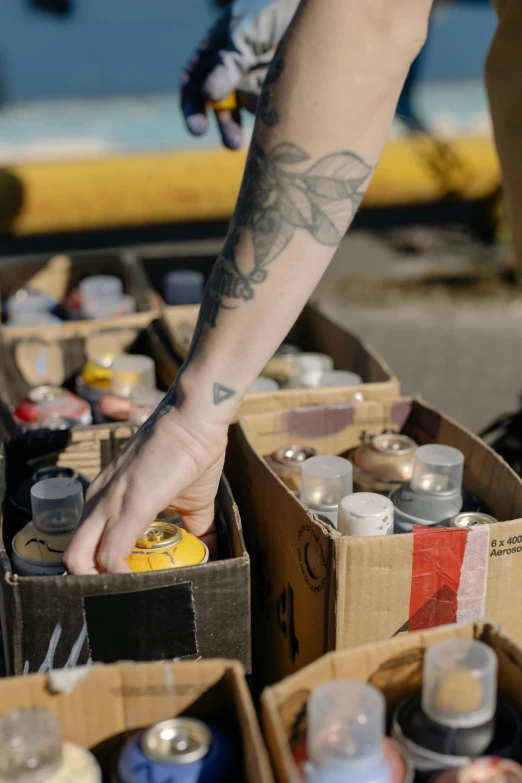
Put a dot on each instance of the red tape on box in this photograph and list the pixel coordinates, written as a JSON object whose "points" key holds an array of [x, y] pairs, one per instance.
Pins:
{"points": [[449, 576]]}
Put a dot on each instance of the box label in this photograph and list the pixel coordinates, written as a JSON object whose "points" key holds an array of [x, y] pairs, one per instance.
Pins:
{"points": [[145, 625]]}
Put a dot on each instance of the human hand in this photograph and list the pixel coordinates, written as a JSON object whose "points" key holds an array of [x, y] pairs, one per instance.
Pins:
{"points": [[174, 460], [233, 57]]}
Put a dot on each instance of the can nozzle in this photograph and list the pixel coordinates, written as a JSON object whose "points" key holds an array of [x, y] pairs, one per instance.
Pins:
{"points": [[345, 730], [459, 686], [131, 372], [30, 745], [437, 470], [57, 505], [325, 481]]}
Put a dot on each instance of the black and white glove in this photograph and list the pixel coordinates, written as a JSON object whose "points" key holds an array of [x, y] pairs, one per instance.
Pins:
{"points": [[232, 60]]}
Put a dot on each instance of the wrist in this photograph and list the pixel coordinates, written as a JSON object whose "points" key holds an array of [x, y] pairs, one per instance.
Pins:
{"points": [[209, 399]]}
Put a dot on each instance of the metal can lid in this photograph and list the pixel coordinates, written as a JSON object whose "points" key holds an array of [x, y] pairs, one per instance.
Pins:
{"points": [[159, 535], [394, 443], [293, 455], [177, 741], [41, 393], [471, 518]]}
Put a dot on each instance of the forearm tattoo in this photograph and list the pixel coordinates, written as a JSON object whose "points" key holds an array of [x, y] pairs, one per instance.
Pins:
{"points": [[284, 190]]}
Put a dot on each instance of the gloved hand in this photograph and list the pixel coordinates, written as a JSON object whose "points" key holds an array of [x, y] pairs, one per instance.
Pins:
{"points": [[233, 57]]}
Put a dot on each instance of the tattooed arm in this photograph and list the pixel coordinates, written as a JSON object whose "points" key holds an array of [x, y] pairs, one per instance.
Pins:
{"points": [[323, 117]]}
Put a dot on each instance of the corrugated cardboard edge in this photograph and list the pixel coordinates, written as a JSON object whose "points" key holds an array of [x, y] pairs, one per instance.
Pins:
{"points": [[364, 660]]}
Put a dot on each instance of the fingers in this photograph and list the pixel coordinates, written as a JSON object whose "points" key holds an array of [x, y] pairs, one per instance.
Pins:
{"points": [[201, 521], [80, 555], [195, 73], [193, 105], [229, 124]]}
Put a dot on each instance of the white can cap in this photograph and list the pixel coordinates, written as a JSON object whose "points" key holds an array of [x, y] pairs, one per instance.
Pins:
{"points": [[325, 481], [131, 372], [459, 687], [365, 514], [345, 723], [30, 744], [437, 470], [57, 505]]}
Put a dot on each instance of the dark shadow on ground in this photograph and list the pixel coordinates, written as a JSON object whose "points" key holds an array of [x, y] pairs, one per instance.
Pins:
{"points": [[11, 199]]}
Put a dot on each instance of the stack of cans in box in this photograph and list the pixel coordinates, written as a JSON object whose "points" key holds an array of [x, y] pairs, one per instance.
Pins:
{"points": [[456, 729], [397, 484], [96, 297], [185, 750]]}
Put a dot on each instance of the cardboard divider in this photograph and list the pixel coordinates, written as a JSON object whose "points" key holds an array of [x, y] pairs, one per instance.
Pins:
{"points": [[115, 699], [313, 331], [314, 590], [56, 355], [50, 622], [393, 666], [60, 274]]}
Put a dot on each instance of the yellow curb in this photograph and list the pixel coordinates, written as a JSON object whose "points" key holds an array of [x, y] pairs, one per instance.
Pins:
{"points": [[203, 185]]}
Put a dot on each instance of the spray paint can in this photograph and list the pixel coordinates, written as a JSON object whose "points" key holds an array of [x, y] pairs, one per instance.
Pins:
{"points": [[325, 481], [57, 506], [434, 493], [383, 464], [402, 769], [165, 545], [51, 407], [471, 519], [365, 514], [456, 717], [484, 770], [31, 751], [183, 750], [287, 463], [95, 379]]}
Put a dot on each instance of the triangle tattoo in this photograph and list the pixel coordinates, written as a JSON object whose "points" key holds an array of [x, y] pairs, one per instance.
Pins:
{"points": [[222, 393]]}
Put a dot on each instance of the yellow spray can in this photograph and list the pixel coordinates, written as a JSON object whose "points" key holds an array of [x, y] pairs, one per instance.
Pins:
{"points": [[165, 545]]}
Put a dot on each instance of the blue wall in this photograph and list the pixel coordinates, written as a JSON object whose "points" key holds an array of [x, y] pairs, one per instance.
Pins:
{"points": [[111, 47]]}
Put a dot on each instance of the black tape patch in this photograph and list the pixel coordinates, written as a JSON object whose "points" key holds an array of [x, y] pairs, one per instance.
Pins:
{"points": [[145, 625]]}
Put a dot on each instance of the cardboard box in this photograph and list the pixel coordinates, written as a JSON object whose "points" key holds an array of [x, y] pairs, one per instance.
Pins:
{"points": [[56, 354], [51, 622], [314, 590], [60, 274], [313, 331], [395, 667], [111, 700]]}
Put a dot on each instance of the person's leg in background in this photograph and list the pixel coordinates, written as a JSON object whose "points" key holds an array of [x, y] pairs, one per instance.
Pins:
{"points": [[504, 86]]}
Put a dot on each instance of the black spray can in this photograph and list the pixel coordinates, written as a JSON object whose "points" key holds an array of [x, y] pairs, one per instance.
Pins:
{"points": [[457, 716]]}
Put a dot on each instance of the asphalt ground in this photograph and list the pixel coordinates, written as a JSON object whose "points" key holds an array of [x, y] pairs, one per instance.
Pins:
{"points": [[437, 306]]}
